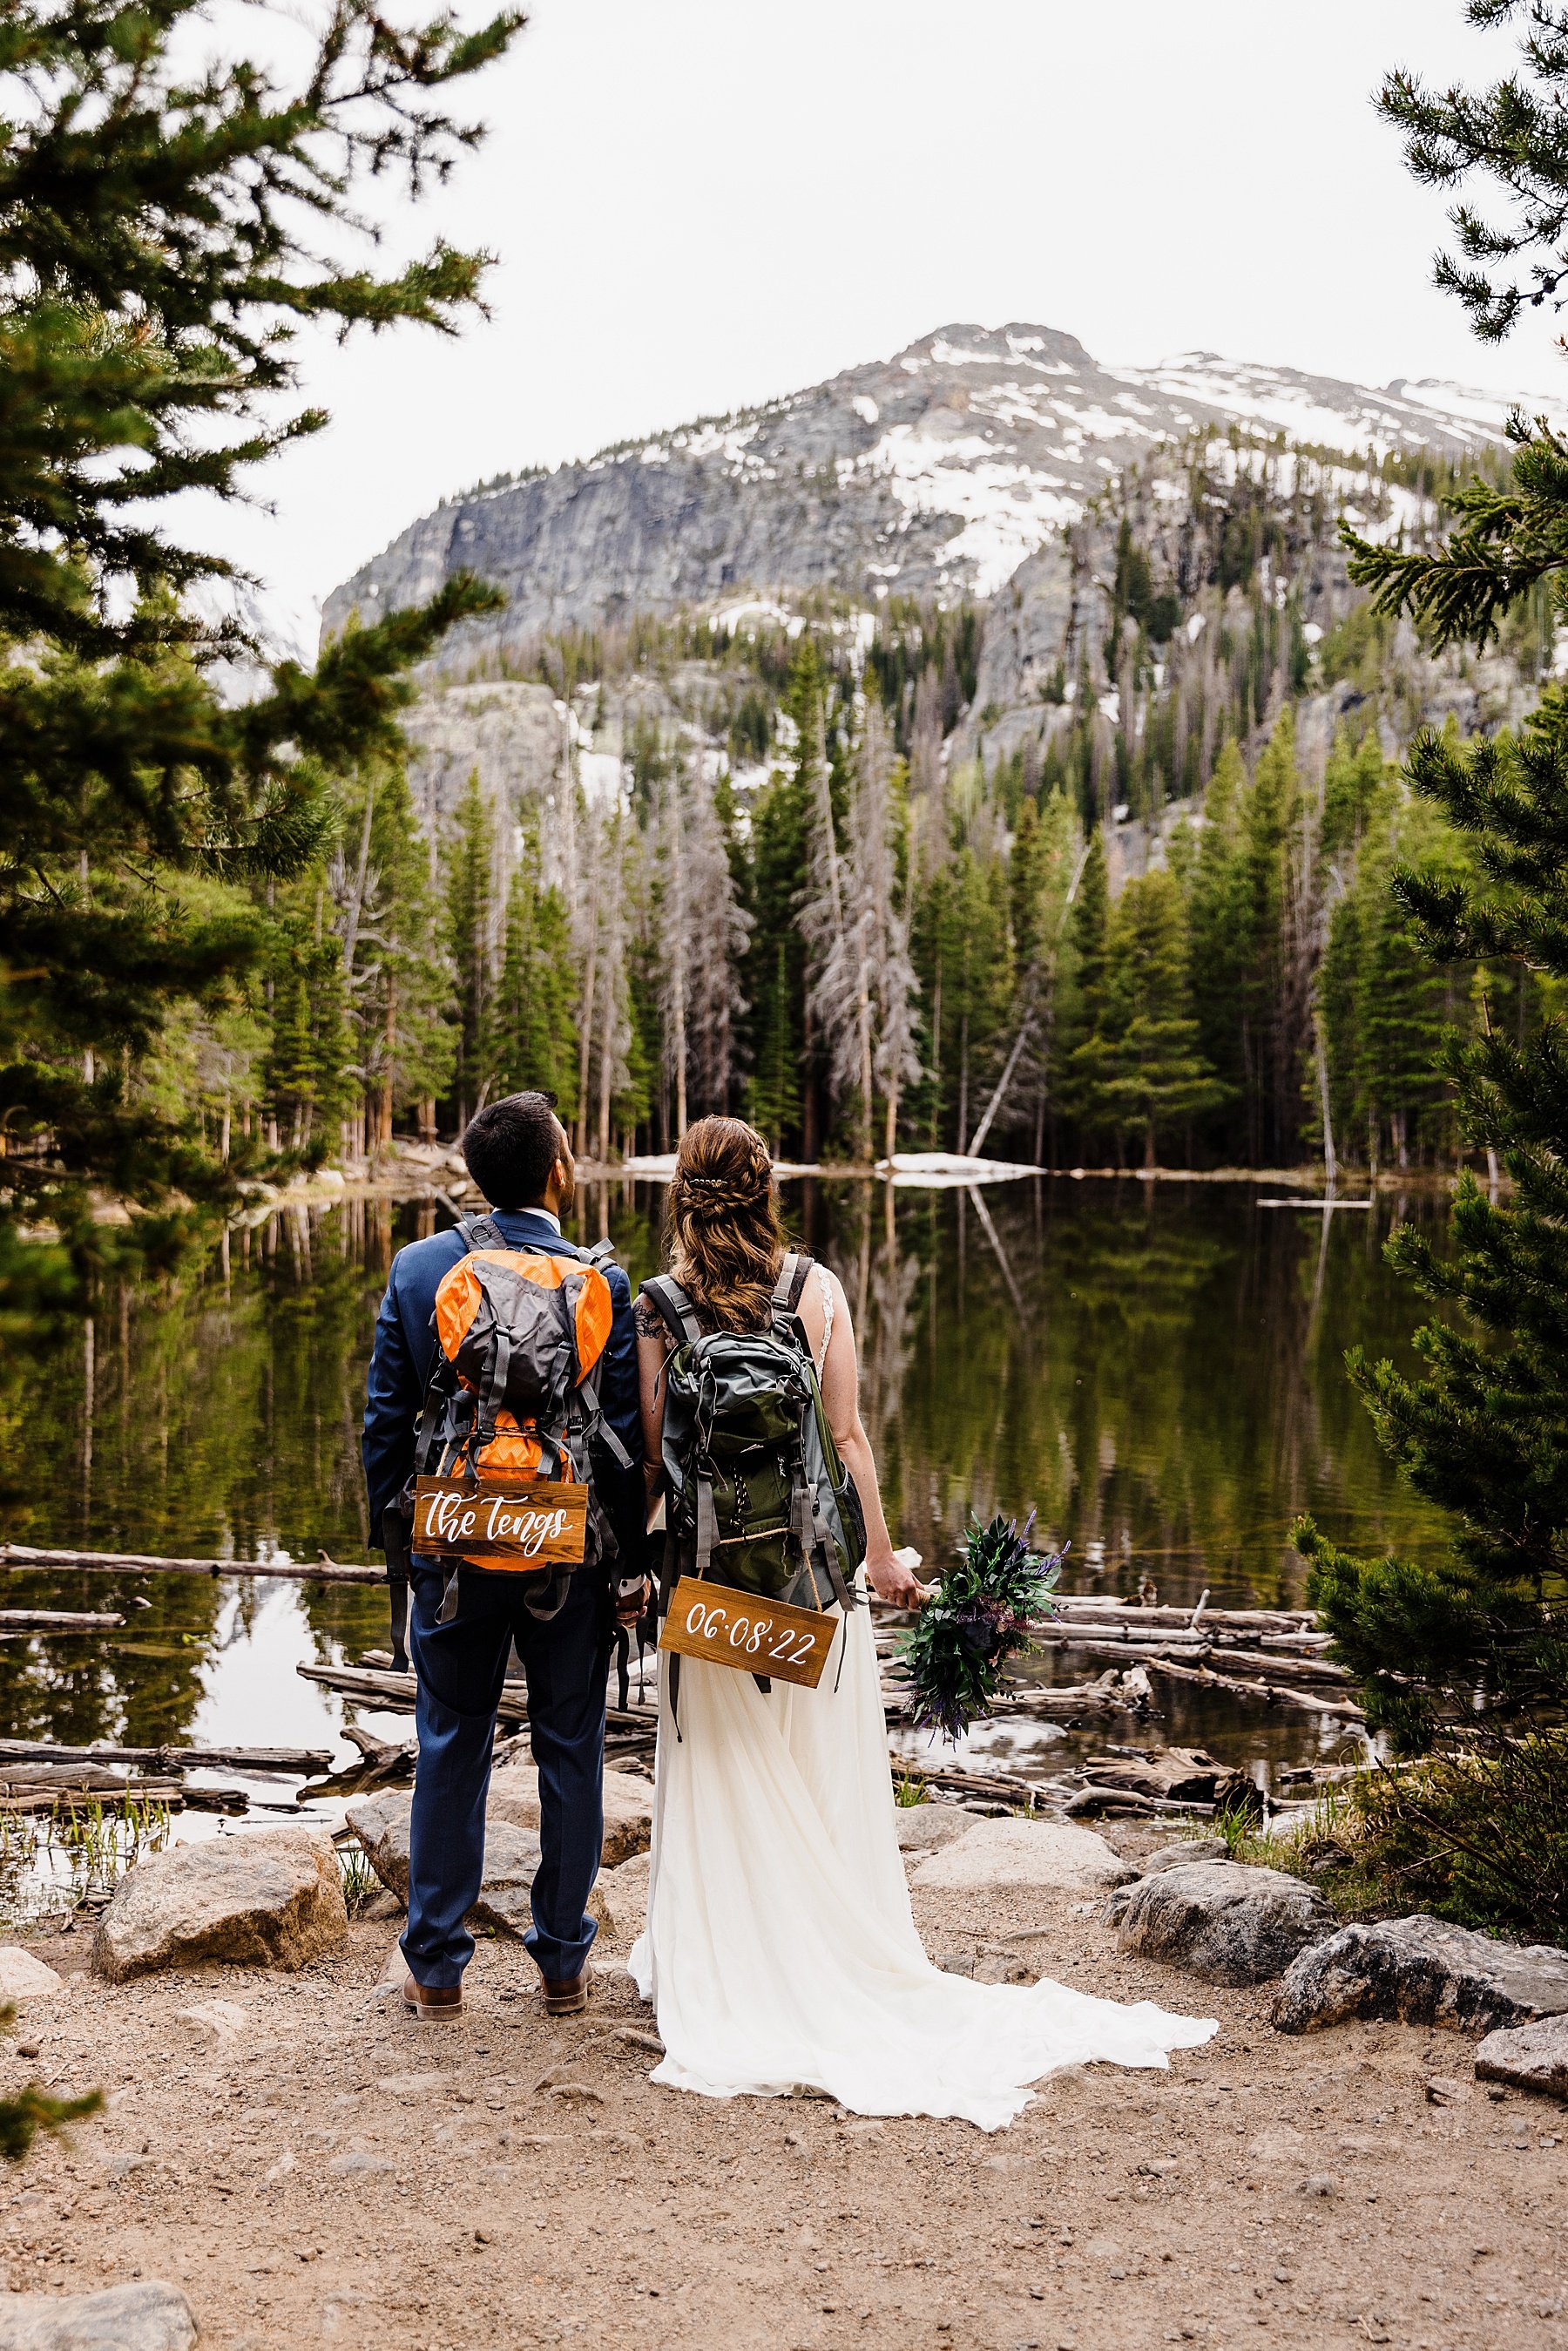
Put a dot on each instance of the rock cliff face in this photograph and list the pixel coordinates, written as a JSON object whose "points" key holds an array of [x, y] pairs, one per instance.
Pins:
{"points": [[937, 472]]}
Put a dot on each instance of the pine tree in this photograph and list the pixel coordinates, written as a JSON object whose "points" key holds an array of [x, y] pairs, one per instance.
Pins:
{"points": [[1474, 1647], [773, 974], [1216, 933], [533, 1025], [1083, 1055], [162, 227], [1154, 1076], [471, 943]]}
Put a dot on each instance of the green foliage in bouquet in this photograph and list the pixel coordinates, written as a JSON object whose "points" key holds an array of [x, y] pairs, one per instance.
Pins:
{"points": [[977, 1618]]}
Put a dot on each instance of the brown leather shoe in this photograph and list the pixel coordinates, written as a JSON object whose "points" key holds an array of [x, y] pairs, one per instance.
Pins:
{"points": [[437, 2003], [570, 1998]]}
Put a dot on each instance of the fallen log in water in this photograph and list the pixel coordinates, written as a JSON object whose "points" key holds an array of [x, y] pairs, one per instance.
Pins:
{"points": [[172, 1795], [1269, 1693], [1226, 1620], [25, 1559], [56, 1620], [990, 1786], [291, 1760], [1143, 1653]]}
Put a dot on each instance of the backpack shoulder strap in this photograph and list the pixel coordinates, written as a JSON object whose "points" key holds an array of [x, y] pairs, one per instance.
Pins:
{"points": [[480, 1233], [675, 1307], [791, 1281]]}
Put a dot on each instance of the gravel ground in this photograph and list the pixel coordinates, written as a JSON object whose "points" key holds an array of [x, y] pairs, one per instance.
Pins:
{"points": [[321, 2169]]}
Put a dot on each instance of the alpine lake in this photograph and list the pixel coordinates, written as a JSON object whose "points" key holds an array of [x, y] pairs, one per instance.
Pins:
{"points": [[1154, 1368]]}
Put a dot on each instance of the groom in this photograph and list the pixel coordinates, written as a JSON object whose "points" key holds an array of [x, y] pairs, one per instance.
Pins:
{"points": [[518, 1155]]}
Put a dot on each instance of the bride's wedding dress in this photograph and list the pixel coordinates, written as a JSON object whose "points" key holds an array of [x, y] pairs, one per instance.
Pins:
{"points": [[781, 1950]]}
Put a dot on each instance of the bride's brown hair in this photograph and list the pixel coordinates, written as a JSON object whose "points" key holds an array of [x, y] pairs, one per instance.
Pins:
{"points": [[721, 1223]]}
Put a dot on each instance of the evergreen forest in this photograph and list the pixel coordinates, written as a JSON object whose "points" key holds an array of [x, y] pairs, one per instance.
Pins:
{"points": [[1157, 930]]}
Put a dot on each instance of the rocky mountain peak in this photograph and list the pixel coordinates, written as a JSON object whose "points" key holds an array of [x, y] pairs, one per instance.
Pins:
{"points": [[935, 472]]}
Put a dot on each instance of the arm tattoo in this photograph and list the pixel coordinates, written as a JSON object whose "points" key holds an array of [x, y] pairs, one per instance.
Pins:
{"points": [[648, 1322]]}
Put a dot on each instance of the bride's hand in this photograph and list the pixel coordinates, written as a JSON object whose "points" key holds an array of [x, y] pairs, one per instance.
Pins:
{"points": [[892, 1581]]}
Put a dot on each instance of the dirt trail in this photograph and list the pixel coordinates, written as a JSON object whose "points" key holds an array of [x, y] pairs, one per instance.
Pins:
{"points": [[338, 2174]]}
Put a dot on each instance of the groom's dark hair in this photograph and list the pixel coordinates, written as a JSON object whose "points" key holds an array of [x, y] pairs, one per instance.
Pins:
{"points": [[510, 1148]]}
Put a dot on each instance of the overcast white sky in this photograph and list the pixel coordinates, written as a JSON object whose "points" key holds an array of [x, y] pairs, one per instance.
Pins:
{"points": [[696, 203]]}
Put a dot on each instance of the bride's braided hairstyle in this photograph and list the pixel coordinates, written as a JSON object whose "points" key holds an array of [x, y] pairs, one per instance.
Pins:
{"points": [[721, 1223]]}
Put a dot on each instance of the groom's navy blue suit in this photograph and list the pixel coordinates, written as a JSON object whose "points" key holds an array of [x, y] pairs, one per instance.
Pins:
{"points": [[461, 1667]]}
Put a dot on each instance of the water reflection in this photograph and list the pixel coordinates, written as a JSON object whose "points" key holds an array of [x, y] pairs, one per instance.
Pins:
{"points": [[1157, 1368]]}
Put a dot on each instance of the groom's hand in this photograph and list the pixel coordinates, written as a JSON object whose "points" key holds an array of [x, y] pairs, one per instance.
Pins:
{"points": [[631, 1601]]}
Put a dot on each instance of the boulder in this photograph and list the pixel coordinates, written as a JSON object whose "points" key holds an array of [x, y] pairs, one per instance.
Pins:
{"points": [[926, 1828], [1526, 2056], [22, 1977], [264, 1897], [625, 1893], [510, 1858], [628, 1808], [146, 2316], [1190, 1849], [1421, 1971], [1219, 1920], [996, 1856]]}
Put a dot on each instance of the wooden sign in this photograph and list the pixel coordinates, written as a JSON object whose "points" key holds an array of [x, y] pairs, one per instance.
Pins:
{"points": [[737, 1628], [518, 1524]]}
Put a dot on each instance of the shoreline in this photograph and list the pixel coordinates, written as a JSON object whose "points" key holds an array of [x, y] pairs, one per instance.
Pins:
{"points": [[309, 2165]]}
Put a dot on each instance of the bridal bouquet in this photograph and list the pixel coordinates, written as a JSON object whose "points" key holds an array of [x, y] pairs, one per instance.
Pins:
{"points": [[975, 1620]]}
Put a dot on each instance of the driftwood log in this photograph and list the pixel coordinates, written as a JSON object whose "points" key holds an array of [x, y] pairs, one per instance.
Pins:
{"points": [[27, 1559], [56, 1620], [292, 1760]]}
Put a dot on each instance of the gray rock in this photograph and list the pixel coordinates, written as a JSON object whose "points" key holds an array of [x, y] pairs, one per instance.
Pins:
{"points": [[146, 2316], [624, 1891], [1190, 1849], [628, 1801], [1527, 2056], [926, 1828], [264, 1897], [358, 2161], [22, 1976], [1217, 1919], [997, 1856], [1421, 1971], [510, 1858]]}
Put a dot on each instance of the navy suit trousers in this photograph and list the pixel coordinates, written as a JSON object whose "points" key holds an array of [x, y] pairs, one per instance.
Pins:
{"points": [[461, 1668]]}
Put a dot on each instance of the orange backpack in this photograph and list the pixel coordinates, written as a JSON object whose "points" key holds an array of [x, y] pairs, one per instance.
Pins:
{"points": [[520, 1338]]}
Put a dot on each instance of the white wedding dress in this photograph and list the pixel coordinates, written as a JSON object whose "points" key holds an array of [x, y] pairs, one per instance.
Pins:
{"points": [[780, 1951]]}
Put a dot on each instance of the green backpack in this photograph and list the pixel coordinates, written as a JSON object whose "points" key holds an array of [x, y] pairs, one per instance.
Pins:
{"points": [[757, 1496]]}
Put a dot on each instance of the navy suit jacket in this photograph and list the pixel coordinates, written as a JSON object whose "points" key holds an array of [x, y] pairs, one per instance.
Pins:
{"points": [[405, 1351]]}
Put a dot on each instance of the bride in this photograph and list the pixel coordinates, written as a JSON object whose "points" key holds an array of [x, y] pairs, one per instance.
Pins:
{"points": [[781, 1952]]}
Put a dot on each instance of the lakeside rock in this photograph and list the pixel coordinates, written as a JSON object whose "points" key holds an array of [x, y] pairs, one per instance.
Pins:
{"points": [[1181, 1856], [22, 1976], [510, 1858], [997, 1854], [1421, 1971], [264, 1897], [628, 1808], [927, 1828], [1219, 1920], [1527, 2056], [150, 2316]]}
